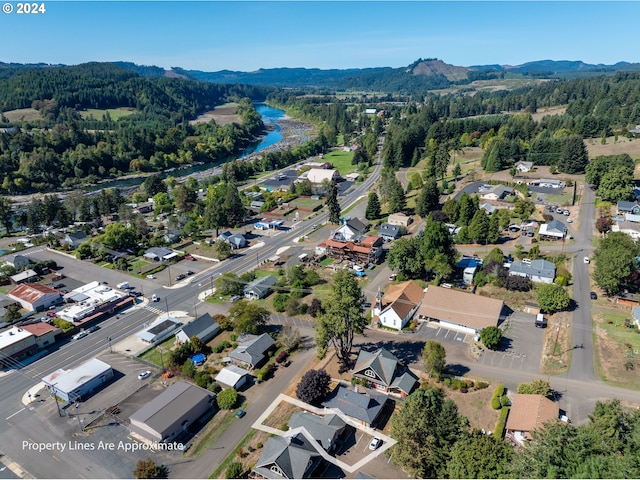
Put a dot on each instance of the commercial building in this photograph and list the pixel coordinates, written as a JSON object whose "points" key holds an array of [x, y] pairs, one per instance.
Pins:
{"points": [[16, 344], [35, 297], [44, 333], [159, 330], [93, 300], [80, 382], [170, 413]]}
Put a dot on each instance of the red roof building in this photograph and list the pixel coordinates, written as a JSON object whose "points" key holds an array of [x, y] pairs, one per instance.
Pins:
{"points": [[34, 296]]}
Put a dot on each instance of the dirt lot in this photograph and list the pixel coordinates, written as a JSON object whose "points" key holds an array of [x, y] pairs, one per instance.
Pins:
{"points": [[223, 115]]}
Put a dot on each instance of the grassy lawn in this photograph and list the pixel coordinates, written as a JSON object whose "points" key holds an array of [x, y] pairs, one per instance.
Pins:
{"points": [[153, 355], [114, 113], [216, 428], [139, 264], [617, 349], [23, 115], [306, 203], [341, 161], [600, 203], [232, 457], [559, 198]]}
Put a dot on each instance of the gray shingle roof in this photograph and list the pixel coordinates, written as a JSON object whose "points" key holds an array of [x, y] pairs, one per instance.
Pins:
{"points": [[364, 406], [381, 361], [260, 286], [251, 348], [322, 429], [538, 268], [389, 230], [200, 326], [625, 206], [292, 455]]}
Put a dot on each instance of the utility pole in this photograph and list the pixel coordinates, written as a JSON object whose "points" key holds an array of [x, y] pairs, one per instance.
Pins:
{"points": [[109, 339], [161, 358], [166, 302], [55, 397]]}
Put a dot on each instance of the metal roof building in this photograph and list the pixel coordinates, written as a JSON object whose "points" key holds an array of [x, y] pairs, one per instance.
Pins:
{"points": [[170, 413], [78, 383], [159, 330]]}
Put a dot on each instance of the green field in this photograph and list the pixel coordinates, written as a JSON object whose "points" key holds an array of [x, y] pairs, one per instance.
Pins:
{"points": [[306, 203], [114, 113], [341, 161], [559, 199]]}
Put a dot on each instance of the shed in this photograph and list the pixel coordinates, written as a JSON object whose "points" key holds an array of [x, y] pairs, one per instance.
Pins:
{"points": [[232, 376]]}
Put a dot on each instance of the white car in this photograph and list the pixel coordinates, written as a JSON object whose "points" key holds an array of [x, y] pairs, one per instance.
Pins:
{"points": [[358, 268], [80, 335], [151, 277], [586, 259], [569, 220], [143, 375], [375, 443]]}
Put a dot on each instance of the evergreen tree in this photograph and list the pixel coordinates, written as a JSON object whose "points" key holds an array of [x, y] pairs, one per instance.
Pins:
{"points": [[373, 207], [479, 226], [397, 199], [574, 157], [332, 203]]}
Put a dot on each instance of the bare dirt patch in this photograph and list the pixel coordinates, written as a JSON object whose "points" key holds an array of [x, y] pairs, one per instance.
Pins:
{"points": [[556, 352], [281, 415], [223, 115], [476, 406], [515, 300]]}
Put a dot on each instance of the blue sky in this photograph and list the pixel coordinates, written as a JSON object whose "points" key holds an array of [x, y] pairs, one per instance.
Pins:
{"points": [[211, 35]]}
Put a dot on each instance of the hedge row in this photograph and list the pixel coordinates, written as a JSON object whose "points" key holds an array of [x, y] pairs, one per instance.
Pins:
{"points": [[497, 399], [498, 432]]}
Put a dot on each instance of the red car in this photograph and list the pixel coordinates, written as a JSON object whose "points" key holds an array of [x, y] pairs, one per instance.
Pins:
{"points": [[51, 314]]}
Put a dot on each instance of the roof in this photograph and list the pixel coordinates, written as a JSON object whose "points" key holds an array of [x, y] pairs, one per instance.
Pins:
{"points": [[530, 411], [12, 258], [405, 382], [487, 207], [322, 428], [626, 206], [364, 405], [160, 252], [292, 455], [499, 190], [230, 375], [69, 380], [382, 361], [76, 236], [251, 348], [554, 226], [318, 175], [171, 405], [462, 308], [622, 226], [636, 313], [402, 297], [40, 328], [161, 325], [538, 268], [466, 262], [27, 274], [199, 326], [525, 164], [31, 292], [261, 285], [388, 229], [357, 224], [13, 335]]}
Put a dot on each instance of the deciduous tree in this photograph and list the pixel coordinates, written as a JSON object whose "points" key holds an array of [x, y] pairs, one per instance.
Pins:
{"points": [[313, 387], [552, 298], [149, 469], [248, 317], [227, 399], [491, 337], [434, 358], [480, 456]]}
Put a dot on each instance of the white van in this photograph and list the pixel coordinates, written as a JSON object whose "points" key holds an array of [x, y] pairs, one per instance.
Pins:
{"points": [[123, 286]]}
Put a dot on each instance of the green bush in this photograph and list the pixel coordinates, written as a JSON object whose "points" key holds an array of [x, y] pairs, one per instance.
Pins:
{"points": [[498, 432], [495, 403], [499, 391], [280, 302], [259, 445], [504, 401], [227, 399], [234, 470], [481, 385]]}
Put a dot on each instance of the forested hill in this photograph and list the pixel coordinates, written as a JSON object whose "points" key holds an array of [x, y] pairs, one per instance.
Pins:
{"points": [[105, 85]]}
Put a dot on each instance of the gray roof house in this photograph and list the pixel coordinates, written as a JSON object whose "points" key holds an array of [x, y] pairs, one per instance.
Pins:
{"points": [[259, 288], [628, 207], [535, 270], [287, 457], [202, 327], [159, 254], [167, 415], [523, 166], [324, 429], [235, 241], [17, 261], [74, 239], [497, 192], [382, 370], [389, 232], [553, 229], [252, 349], [358, 225], [364, 405]]}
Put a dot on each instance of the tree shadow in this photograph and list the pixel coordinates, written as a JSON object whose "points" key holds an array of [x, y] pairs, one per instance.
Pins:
{"points": [[456, 369], [407, 352]]}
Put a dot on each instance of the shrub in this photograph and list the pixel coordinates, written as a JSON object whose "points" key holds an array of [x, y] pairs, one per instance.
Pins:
{"points": [[499, 391], [234, 470], [227, 399], [498, 432], [481, 385], [495, 403], [259, 445], [284, 427], [282, 356], [280, 302], [504, 401], [464, 390]]}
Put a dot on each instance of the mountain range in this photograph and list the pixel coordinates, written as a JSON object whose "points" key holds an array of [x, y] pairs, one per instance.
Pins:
{"points": [[423, 74]]}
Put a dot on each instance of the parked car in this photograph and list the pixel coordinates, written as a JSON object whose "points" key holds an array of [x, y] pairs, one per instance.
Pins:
{"points": [[565, 213], [80, 335], [358, 268], [586, 260], [182, 276], [593, 296], [240, 413], [189, 272], [151, 277], [392, 276], [235, 298], [155, 298], [366, 304], [375, 443], [92, 328], [143, 375], [569, 220], [51, 314]]}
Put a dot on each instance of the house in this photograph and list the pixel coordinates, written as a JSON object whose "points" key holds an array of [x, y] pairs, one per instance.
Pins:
{"points": [[363, 250], [351, 229], [398, 306], [628, 207], [287, 458], [170, 413], [399, 219], [488, 208], [35, 297], [383, 371], [159, 254], [44, 333], [17, 261], [389, 232], [324, 429], [232, 376], [542, 271], [203, 327], [259, 288], [363, 405], [144, 208], [522, 166], [80, 382], [256, 205], [547, 183], [252, 349], [497, 192], [555, 229], [529, 412], [461, 311], [630, 228], [170, 238], [24, 277], [74, 239], [235, 241], [319, 175]]}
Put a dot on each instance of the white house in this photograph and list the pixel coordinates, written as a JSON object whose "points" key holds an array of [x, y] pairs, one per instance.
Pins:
{"points": [[398, 306], [630, 228], [497, 192], [542, 271], [524, 166], [17, 261], [553, 229], [232, 376]]}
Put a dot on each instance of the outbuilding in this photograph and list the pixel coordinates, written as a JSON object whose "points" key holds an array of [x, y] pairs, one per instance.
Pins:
{"points": [[170, 413], [232, 376]]}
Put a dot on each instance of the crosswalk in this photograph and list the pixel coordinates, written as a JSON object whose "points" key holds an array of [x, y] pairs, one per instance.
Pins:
{"points": [[151, 309]]}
